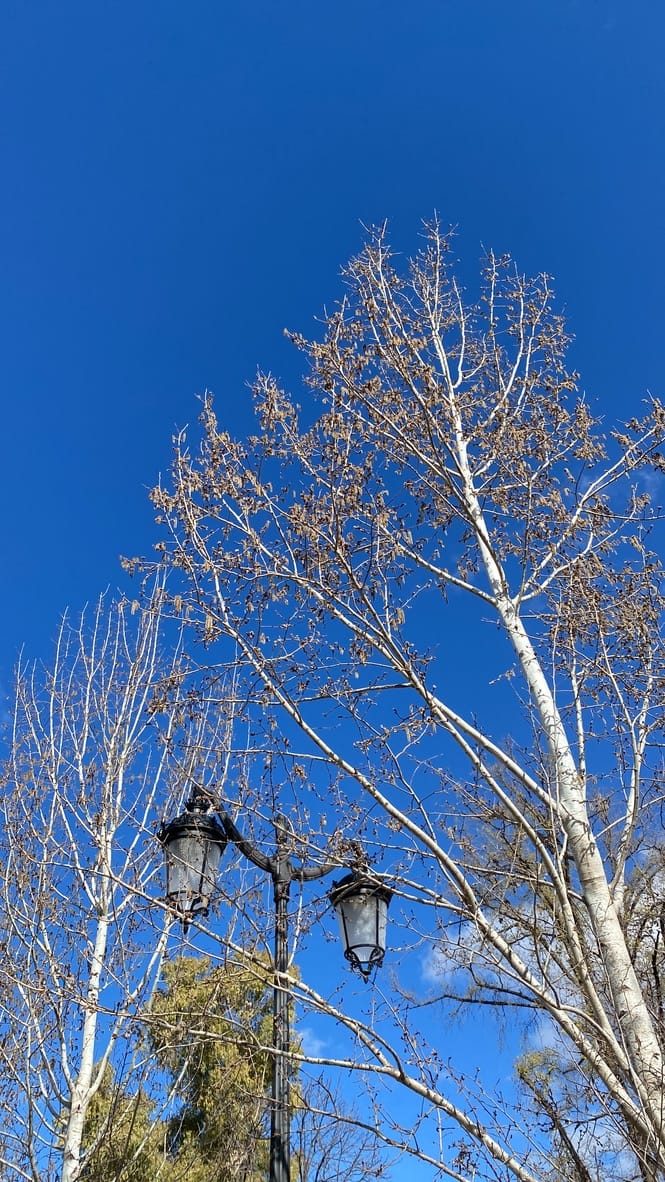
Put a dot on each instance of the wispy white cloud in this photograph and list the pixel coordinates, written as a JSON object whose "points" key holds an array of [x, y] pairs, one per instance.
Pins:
{"points": [[312, 1044]]}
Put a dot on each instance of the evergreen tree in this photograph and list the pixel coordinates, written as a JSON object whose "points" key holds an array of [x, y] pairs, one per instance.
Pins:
{"points": [[202, 1111]]}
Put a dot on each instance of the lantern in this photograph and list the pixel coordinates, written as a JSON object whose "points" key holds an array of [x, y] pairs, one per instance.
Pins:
{"points": [[361, 904], [193, 845]]}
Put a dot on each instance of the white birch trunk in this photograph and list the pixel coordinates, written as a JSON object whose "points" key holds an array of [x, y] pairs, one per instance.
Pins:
{"points": [[82, 1089], [629, 1004]]}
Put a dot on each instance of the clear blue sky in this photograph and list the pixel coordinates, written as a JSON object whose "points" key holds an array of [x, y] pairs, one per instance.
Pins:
{"points": [[181, 181]]}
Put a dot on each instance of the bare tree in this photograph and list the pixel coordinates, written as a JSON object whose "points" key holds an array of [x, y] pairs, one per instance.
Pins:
{"points": [[99, 742], [447, 552], [331, 1143]]}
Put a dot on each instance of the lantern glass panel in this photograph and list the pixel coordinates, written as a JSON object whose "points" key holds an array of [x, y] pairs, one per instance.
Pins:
{"points": [[183, 871], [209, 878], [363, 921], [193, 861]]}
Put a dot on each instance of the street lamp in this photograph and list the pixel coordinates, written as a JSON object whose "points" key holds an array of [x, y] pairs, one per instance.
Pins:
{"points": [[361, 904], [193, 845]]}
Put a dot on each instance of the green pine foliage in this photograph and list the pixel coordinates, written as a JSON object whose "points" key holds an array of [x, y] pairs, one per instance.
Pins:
{"points": [[124, 1138], [201, 1113]]}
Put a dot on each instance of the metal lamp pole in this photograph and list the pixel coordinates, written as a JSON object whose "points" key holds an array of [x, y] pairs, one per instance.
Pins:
{"points": [[193, 845], [283, 873]]}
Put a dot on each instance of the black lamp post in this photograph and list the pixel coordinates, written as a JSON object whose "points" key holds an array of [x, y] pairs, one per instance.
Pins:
{"points": [[193, 845]]}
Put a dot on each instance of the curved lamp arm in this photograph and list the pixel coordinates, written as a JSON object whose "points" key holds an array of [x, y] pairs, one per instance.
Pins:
{"points": [[269, 865], [246, 847]]}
